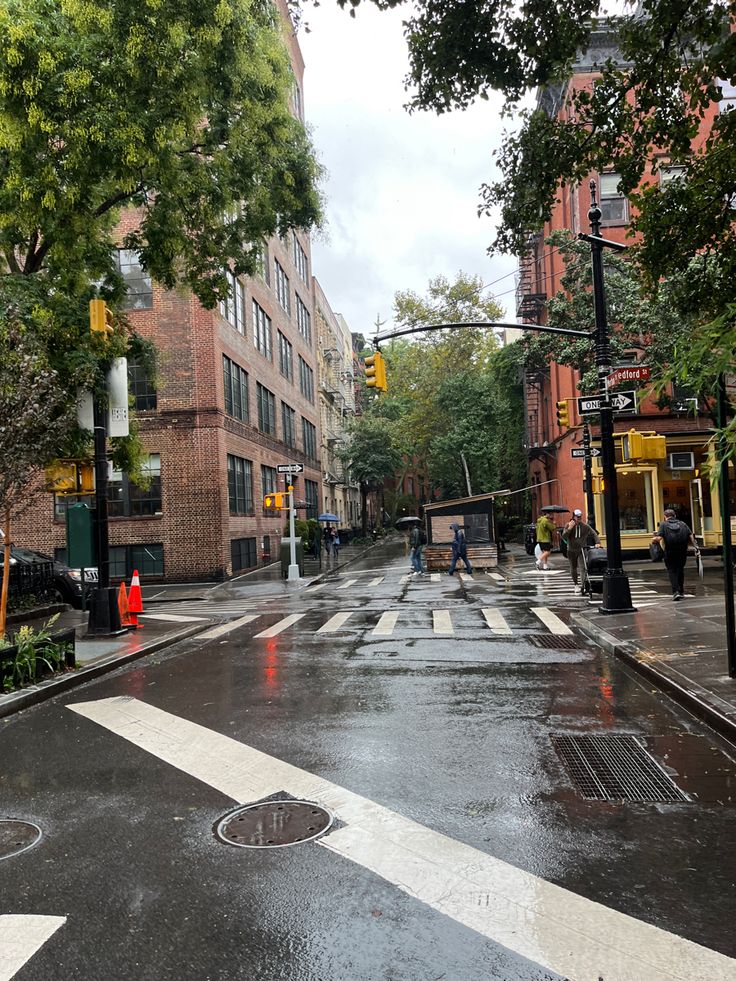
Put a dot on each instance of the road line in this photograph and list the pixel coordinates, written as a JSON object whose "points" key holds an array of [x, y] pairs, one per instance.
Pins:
{"points": [[377, 581], [405, 579], [496, 621], [551, 620], [172, 617], [551, 926], [442, 622], [313, 589], [22, 936], [435, 577], [282, 625], [386, 624], [348, 584], [334, 623], [226, 628], [497, 577]]}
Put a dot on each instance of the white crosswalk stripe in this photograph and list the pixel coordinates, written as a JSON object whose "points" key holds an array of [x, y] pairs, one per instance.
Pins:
{"points": [[551, 620], [496, 621], [334, 623], [442, 622], [348, 584], [21, 936], [435, 577], [377, 581], [226, 628], [496, 576], [282, 625], [386, 624]]}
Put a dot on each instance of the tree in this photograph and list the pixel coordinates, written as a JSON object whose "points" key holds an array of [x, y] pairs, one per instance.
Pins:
{"points": [[370, 456]]}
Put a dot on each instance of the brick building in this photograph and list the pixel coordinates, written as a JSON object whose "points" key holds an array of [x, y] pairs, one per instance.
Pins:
{"points": [[236, 396], [645, 487]]}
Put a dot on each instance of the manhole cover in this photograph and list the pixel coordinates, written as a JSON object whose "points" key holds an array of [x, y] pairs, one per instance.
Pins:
{"points": [[16, 836], [273, 824], [554, 642]]}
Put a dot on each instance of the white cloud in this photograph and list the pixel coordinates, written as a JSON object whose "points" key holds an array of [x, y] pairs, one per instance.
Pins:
{"points": [[402, 190]]}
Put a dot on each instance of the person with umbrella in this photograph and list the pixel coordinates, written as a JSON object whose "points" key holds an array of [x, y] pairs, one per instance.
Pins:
{"points": [[545, 531]]}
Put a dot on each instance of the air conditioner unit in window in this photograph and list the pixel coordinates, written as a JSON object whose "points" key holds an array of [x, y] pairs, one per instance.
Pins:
{"points": [[681, 461]]}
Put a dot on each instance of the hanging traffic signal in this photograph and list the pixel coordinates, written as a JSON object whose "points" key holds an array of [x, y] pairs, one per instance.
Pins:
{"points": [[563, 414], [275, 502], [100, 318], [375, 372]]}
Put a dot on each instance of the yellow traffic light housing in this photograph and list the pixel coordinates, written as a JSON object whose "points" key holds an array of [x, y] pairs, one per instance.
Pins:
{"points": [[100, 318], [275, 502], [86, 478], [633, 445], [61, 477], [563, 414], [655, 448], [375, 372]]}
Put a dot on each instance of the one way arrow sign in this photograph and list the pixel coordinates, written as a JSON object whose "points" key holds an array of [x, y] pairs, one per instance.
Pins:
{"points": [[622, 402], [579, 452]]}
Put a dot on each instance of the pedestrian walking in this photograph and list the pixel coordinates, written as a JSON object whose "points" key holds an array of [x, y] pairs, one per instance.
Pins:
{"points": [[327, 537], [335, 545], [674, 536], [459, 550], [578, 535], [417, 540], [545, 531]]}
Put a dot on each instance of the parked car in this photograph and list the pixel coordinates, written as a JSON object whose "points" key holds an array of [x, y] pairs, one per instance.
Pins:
{"points": [[66, 582]]}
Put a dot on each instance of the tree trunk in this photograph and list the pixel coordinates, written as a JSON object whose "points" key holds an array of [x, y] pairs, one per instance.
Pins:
{"points": [[6, 577], [364, 508]]}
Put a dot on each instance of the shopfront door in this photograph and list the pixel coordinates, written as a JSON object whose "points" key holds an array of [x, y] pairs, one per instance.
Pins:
{"points": [[696, 508]]}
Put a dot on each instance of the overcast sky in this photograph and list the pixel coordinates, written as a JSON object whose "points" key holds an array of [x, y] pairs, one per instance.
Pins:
{"points": [[402, 190]]}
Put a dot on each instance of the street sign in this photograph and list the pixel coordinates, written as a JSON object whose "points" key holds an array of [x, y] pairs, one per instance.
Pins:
{"points": [[290, 468], [622, 402], [629, 373], [579, 452]]}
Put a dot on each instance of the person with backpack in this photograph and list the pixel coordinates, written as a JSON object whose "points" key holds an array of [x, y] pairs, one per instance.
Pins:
{"points": [[459, 550], [417, 540], [674, 536]]}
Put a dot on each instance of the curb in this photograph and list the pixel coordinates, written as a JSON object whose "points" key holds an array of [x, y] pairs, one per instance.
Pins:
{"points": [[685, 697], [26, 697]]}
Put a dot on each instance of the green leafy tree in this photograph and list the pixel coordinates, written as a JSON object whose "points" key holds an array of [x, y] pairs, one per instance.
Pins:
{"points": [[371, 456]]}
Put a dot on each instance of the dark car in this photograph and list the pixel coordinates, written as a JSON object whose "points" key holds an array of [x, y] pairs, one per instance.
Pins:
{"points": [[67, 582]]}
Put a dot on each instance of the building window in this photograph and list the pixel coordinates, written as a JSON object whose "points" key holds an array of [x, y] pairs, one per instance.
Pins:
{"points": [[239, 485], [669, 174], [309, 438], [268, 485], [300, 261], [127, 500], [232, 308], [306, 380], [296, 100], [311, 494], [138, 284], [282, 286], [262, 331], [614, 206], [236, 389], [286, 357], [303, 320], [243, 553], [266, 410], [147, 559], [144, 393], [263, 264], [288, 424]]}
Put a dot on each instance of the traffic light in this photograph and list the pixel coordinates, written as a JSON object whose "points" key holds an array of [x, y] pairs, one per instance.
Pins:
{"points": [[100, 318], [655, 448], [633, 446], [375, 372], [275, 502], [86, 478], [563, 414], [61, 477]]}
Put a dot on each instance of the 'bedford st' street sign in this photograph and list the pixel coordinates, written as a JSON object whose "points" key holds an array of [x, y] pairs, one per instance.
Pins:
{"points": [[290, 468], [622, 402], [580, 452], [629, 373]]}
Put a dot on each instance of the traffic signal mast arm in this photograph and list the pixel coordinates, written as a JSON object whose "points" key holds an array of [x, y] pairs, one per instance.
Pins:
{"points": [[492, 324]]}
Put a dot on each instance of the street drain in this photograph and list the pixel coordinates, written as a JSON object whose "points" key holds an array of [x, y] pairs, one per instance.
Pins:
{"points": [[16, 836], [554, 642], [274, 824], [616, 768]]}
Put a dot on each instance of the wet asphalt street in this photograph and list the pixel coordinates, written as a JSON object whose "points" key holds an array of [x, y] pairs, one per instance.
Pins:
{"points": [[420, 713]]}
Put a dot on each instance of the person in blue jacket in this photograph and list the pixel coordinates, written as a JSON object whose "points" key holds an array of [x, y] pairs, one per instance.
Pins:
{"points": [[459, 550]]}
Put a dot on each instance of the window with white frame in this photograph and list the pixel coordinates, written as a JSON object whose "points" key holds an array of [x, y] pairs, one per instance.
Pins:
{"points": [[288, 424], [613, 204], [286, 357], [306, 379], [262, 331], [138, 284], [235, 381], [309, 439], [282, 286], [300, 260], [303, 320], [266, 410], [239, 485], [263, 266], [232, 307], [671, 173]]}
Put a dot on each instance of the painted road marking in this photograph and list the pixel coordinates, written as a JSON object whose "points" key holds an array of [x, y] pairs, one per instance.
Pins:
{"points": [[405, 579], [558, 929], [22, 936], [377, 581], [348, 584], [497, 577], [435, 577], [551, 620], [226, 628], [282, 625], [334, 623], [172, 617], [442, 622], [386, 624], [313, 589], [495, 620]]}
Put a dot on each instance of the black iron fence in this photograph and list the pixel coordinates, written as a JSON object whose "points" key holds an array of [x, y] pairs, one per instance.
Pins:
{"points": [[29, 582]]}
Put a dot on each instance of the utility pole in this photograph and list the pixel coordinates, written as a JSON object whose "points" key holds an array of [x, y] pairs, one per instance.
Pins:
{"points": [[723, 491], [616, 590], [588, 462]]}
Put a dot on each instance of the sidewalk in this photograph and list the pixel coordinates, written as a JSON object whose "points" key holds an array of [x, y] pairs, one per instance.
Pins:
{"points": [[680, 648]]}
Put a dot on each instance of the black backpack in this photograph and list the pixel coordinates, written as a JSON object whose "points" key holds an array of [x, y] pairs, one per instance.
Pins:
{"points": [[422, 536], [676, 534]]}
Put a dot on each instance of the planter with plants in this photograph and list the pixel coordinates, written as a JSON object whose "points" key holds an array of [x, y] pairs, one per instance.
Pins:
{"points": [[34, 654]]}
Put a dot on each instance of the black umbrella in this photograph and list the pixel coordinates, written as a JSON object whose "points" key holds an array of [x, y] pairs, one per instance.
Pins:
{"points": [[409, 520], [554, 509]]}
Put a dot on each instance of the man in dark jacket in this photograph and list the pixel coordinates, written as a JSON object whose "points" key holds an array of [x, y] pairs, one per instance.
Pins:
{"points": [[674, 536], [577, 534], [459, 550]]}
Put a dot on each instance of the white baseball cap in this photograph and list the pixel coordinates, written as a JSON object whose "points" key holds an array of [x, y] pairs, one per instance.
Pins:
{"points": [[577, 513]]}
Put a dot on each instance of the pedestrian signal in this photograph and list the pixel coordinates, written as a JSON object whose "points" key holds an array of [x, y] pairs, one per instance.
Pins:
{"points": [[563, 414], [375, 372], [100, 318], [274, 502]]}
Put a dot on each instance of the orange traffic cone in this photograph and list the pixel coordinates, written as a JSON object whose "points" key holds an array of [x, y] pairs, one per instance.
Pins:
{"points": [[135, 600], [126, 620]]}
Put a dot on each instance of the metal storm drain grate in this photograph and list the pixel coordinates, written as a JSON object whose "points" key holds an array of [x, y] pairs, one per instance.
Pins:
{"points": [[554, 642], [273, 824], [16, 836], [615, 768]]}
